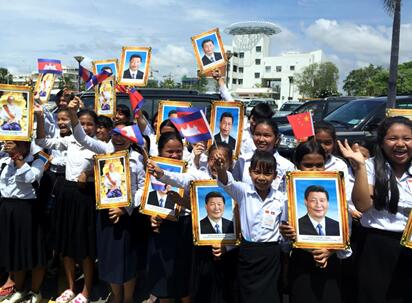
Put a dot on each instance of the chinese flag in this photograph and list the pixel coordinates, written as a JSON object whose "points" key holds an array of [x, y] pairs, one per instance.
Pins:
{"points": [[302, 125]]}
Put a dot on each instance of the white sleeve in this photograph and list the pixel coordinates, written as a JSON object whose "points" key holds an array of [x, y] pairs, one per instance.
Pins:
{"points": [[53, 143], [234, 188], [49, 123], [238, 169], [178, 179], [141, 175], [96, 146], [30, 174], [225, 94]]}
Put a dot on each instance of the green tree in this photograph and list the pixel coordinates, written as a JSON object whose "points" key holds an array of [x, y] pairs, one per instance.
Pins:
{"points": [[5, 76], [152, 83], [168, 83], [359, 82], [393, 7], [318, 80], [70, 82]]}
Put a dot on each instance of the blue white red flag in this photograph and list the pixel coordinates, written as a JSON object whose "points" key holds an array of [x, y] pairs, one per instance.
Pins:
{"points": [[194, 127], [96, 79], [85, 74], [131, 132], [184, 111], [136, 100], [50, 66]]}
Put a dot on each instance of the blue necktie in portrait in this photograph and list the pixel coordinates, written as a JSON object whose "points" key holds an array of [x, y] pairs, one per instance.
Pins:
{"points": [[320, 230], [217, 229], [161, 201]]}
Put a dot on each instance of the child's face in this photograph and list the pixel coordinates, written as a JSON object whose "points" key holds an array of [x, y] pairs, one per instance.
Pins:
{"points": [[264, 138], [312, 162], [211, 161], [88, 124], [326, 140], [63, 121], [262, 177]]}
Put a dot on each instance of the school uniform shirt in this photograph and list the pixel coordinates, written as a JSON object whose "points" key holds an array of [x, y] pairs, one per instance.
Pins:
{"points": [[225, 94], [202, 161], [17, 182], [383, 219], [50, 123], [283, 165], [247, 146], [183, 180], [259, 219]]}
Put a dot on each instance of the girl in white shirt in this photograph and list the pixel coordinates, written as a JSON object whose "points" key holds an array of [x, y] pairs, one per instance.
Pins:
{"points": [[383, 193]]}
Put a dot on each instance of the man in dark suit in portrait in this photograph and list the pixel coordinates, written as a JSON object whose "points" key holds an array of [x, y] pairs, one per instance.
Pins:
{"points": [[161, 199], [133, 71], [225, 126], [210, 55], [315, 221], [214, 223]]}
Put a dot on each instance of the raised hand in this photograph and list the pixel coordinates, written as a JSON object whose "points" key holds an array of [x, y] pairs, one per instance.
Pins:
{"points": [[154, 169], [354, 154], [38, 109]]}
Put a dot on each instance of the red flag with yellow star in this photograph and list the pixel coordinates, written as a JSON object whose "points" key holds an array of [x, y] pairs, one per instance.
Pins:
{"points": [[302, 125]]}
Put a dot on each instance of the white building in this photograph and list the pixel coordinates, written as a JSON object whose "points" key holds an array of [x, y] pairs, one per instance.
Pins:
{"points": [[254, 72], [24, 79]]}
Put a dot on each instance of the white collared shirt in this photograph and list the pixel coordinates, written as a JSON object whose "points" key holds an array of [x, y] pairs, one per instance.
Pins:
{"points": [[247, 146], [223, 139], [383, 219], [17, 182], [183, 180], [315, 224], [252, 208]]}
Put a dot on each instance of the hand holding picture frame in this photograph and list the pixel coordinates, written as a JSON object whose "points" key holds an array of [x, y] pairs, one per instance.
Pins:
{"points": [[215, 215], [134, 66], [161, 199], [317, 209], [112, 180], [44, 86], [406, 239]]}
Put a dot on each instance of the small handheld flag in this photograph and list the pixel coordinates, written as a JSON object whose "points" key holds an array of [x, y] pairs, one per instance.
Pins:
{"points": [[194, 127], [184, 111], [302, 125], [96, 79], [51, 66], [131, 132], [85, 74], [136, 100]]}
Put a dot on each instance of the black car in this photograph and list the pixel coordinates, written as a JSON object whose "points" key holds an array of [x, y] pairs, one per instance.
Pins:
{"points": [[356, 121]]}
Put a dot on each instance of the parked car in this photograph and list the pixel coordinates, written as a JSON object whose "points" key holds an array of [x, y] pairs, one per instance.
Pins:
{"points": [[287, 108], [356, 121], [253, 102]]}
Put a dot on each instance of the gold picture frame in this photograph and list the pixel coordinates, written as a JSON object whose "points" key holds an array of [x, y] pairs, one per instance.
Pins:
{"points": [[44, 86], [165, 106], [304, 186], [149, 204], [406, 239], [16, 112], [212, 38], [393, 112], [105, 98], [124, 75], [203, 230], [112, 180], [99, 65], [237, 111]]}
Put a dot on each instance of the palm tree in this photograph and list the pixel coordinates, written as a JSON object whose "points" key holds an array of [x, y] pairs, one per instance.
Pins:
{"points": [[393, 7]]}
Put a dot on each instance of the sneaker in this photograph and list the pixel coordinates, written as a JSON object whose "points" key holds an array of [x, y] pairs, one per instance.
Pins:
{"points": [[80, 299], [17, 297], [32, 297], [66, 296]]}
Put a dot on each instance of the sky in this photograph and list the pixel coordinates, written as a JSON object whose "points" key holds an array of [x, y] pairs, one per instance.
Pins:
{"points": [[352, 33]]}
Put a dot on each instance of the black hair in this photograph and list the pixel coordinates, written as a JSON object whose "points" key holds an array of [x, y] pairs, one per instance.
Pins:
{"points": [[166, 137], [89, 112], [63, 110], [169, 123], [226, 148], [206, 41], [270, 122], [261, 111], [154, 119], [124, 109], [226, 115], [59, 95], [145, 114], [25, 145], [263, 159], [385, 191], [214, 194], [316, 189], [324, 126], [135, 56], [305, 148], [103, 121], [107, 67], [173, 111]]}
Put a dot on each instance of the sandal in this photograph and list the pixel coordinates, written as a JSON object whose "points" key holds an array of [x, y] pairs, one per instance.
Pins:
{"points": [[80, 299], [66, 296]]}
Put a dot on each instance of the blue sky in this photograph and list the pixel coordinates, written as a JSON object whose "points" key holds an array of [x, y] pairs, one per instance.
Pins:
{"points": [[351, 33]]}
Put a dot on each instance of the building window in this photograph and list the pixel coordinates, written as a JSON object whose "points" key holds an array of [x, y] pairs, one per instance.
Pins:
{"points": [[240, 69], [240, 81], [235, 54], [258, 49], [257, 75], [267, 69], [278, 69], [292, 67], [234, 81], [241, 55], [235, 68], [257, 61]]}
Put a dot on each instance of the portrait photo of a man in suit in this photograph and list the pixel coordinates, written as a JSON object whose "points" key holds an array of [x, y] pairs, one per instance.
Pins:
{"points": [[225, 127], [214, 223], [210, 55], [315, 222], [161, 199], [133, 71]]}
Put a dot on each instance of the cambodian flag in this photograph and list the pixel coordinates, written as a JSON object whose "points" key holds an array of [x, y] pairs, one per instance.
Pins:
{"points": [[136, 100], [85, 74], [194, 127], [184, 111], [50, 66], [131, 132], [96, 79]]}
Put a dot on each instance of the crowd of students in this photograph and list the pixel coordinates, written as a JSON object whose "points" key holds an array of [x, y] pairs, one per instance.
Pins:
{"points": [[52, 214]]}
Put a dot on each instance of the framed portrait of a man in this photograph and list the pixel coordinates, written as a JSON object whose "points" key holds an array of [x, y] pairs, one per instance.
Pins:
{"points": [[105, 92], [317, 209], [406, 239], [134, 66], [161, 199], [226, 123], [16, 112], [209, 50], [44, 85], [112, 180], [168, 109], [110, 65]]}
